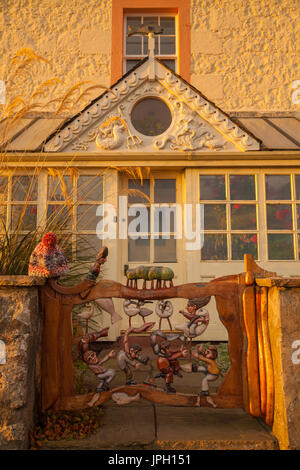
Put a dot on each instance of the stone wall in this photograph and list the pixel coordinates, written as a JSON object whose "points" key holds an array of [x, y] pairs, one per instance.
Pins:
{"points": [[284, 325], [20, 333], [244, 53]]}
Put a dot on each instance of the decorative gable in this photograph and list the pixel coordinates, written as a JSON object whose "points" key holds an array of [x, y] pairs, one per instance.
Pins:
{"points": [[151, 109]]}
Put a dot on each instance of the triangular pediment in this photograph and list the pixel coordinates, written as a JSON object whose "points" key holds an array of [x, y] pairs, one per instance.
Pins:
{"points": [[196, 124]]}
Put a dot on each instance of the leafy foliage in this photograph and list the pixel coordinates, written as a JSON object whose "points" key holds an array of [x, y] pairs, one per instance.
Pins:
{"points": [[66, 425]]}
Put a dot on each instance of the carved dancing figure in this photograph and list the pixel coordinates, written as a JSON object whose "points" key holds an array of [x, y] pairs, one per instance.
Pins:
{"points": [[210, 369], [94, 363], [197, 315], [167, 360], [131, 355], [106, 303]]}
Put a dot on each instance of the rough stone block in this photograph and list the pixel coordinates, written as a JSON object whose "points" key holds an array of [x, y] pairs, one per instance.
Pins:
{"points": [[20, 326], [284, 324], [211, 85], [206, 42], [95, 41]]}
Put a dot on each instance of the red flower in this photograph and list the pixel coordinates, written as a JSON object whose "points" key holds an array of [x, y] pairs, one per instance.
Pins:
{"points": [[253, 239], [236, 206]]}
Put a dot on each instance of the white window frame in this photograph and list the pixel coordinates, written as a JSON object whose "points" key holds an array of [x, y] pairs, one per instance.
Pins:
{"points": [[142, 56], [156, 176], [42, 200]]}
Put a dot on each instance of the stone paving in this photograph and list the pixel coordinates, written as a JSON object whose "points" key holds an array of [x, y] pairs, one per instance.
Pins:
{"points": [[148, 426]]}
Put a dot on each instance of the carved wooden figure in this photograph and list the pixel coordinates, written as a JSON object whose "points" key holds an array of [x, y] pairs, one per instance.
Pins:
{"points": [[164, 309], [248, 344]]}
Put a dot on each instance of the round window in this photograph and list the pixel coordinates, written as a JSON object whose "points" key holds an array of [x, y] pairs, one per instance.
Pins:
{"points": [[151, 116]]}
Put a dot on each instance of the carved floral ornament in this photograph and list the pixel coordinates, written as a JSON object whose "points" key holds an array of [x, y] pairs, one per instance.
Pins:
{"points": [[195, 124]]}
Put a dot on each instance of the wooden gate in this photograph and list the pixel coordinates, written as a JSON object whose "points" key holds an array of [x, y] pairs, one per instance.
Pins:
{"points": [[242, 308]]}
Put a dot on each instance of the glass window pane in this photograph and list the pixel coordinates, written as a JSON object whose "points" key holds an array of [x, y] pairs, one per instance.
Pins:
{"points": [[278, 187], [24, 188], [58, 217], [153, 20], [280, 246], [298, 216], [167, 45], [215, 217], [139, 250], [86, 217], [243, 217], [59, 189], [130, 64], [212, 187], [90, 188], [151, 116], [297, 181], [242, 187], [3, 188], [23, 217], [215, 247], [165, 250], [87, 246], [139, 222], [145, 50], [164, 220], [241, 244], [138, 192], [134, 45], [279, 217], [169, 63], [168, 24], [165, 190], [134, 22]]}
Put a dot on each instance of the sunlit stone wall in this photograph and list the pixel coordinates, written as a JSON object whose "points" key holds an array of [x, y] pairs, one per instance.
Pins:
{"points": [[244, 53]]}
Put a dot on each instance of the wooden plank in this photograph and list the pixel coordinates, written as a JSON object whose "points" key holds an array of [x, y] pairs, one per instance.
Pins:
{"points": [[50, 381], [66, 367], [155, 395], [268, 357], [244, 376], [229, 314], [261, 355], [85, 285], [110, 289], [250, 265], [252, 350], [278, 282]]}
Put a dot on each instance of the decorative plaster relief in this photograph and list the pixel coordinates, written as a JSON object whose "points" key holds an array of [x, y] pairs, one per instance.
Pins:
{"points": [[196, 123]]}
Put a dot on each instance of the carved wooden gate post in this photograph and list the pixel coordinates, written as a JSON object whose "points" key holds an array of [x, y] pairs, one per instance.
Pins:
{"points": [[57, 365], [257, 360]]}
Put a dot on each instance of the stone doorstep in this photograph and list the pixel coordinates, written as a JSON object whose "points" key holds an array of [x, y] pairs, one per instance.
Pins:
{"points": [[147, 426]]}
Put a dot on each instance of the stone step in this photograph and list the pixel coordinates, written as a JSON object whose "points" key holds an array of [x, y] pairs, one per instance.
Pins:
{"points": [[151, 427]]}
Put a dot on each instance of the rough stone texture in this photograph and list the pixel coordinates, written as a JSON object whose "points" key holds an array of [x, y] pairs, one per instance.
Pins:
{"points": [[284, 321], [258, 61], [253, 45], [19, 378]]}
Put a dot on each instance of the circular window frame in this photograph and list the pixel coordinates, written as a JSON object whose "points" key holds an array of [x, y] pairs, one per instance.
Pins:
{"points": [[153, 97]]}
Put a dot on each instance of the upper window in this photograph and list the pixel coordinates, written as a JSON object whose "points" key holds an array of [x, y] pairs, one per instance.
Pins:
{"points": [[136, 46]]}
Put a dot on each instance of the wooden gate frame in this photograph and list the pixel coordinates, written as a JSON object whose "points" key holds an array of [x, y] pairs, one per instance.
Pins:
{"points": [[242, 307]]}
